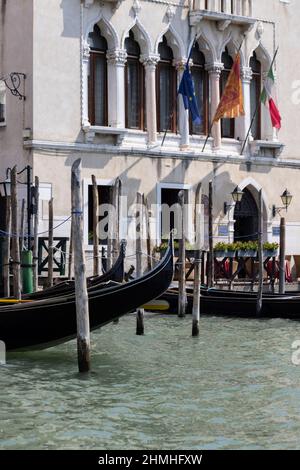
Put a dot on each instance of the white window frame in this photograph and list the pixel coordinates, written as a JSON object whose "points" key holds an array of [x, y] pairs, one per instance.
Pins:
{"points": [[3, 94], [179, 186], [86, 183]]}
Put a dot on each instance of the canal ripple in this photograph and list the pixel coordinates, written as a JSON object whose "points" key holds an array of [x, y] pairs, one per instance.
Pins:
{"points": [[234, 387]]}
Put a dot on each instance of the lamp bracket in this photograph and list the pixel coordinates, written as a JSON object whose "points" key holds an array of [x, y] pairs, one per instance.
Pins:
{"points": [[13, 83]]}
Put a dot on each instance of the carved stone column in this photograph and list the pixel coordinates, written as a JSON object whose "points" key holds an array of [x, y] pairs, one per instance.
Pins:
{"points": [[214, 70], [183, 114], [84, 87], [116, 61], [242, 123], [150, 63]]}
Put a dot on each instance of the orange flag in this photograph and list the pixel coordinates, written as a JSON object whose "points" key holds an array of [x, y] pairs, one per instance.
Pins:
{"points": [[232, 102]]}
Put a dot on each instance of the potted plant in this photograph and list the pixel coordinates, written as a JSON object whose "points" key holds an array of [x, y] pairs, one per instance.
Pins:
{"points": [[231, 250], [270, 249], [247, 249], [220, 250]]}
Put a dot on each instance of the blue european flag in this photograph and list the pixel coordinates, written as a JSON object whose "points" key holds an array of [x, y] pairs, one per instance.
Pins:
{"points": [[186, 89]]}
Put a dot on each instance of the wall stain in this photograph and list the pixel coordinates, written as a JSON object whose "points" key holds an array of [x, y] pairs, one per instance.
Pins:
{"points": [[3, 14]]}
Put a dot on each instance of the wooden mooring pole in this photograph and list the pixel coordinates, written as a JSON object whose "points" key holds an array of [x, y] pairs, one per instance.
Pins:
{"points": [[110, 234], [210, 274], [96, 257], [82, 303], [21, 241], [50, 244], [70, 260], [182, 298], [6, 248], [282, 256], [260, 256], [35, 234], [197, 264], [148, 233], [116, 201], [140, 329], [15, 246]]}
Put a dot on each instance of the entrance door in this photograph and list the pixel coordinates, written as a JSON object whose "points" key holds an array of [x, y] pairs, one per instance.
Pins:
{"points": [[246, 217]]}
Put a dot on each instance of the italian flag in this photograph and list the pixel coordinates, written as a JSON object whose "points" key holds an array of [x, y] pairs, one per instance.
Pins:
{"points": [[267, 97]]}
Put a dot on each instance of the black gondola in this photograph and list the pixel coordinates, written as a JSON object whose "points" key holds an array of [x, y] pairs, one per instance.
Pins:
{"points": [[45, 323], [115, 274], [237, 306]]}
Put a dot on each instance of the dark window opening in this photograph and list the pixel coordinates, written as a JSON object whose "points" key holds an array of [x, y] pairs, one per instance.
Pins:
{"points": [[104, 194], [134, 85], [170, 213], [200, 79], [166, 89], [98, 79], [255, 93], [227, 125], [246, 218]]}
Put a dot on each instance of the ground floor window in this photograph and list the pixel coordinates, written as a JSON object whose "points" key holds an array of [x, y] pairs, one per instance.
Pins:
{"points": [[170, 214], [2, 103], [104, 195]]}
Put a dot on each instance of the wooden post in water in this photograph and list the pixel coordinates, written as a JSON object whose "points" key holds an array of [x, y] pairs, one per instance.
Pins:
{"points": [[110, 235], [50, 245], [95, 225], [148, 233], [210, 276], [139, 231], [21, 241], [182, 298], [203, 259], [82, 303], [15, 236], [35, 234], [197, 264], [282, 256], [6, 248], [70, 260], [260, 256], [116, 202]]}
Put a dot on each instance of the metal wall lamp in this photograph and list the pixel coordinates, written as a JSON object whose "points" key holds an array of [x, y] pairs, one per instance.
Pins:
{"points": [[286, 198], [237, 196]]}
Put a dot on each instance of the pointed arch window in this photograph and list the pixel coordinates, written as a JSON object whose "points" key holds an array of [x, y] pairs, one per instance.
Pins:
{"points": [[166, 89], [97, 78], [134, 85], [200, 79], [255, 92], [227, 125]]}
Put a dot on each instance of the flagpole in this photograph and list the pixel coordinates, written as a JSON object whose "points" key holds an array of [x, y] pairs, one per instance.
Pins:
{"points": [[208, 136], [175, 104], [257, 107], [213, 121]]}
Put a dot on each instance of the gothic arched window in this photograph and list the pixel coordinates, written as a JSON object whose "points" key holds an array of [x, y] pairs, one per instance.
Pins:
{"points": [[134, 85], [97, 78], [227, 125], [200, 79], [166, 89], [255, 92]]}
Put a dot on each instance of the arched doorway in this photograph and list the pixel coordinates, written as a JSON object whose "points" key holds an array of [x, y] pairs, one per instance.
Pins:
{"points": [[246, 218]]}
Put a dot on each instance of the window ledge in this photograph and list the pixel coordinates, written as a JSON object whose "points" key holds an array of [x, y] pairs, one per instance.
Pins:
{"points": [[266, 148], [92, 131]]}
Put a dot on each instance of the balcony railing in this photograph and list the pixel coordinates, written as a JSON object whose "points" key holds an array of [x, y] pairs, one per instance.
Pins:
{"points": [[229, 7]]}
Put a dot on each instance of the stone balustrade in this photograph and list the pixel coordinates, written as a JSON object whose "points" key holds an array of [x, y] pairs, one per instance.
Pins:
{"points": [[229, 7]]}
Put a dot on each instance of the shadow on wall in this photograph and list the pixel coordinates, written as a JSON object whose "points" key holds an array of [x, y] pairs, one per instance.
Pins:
{"points": [[71, 18]]}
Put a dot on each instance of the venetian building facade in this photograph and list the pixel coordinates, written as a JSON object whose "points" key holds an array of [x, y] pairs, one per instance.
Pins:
{"points": [[101, 84]]}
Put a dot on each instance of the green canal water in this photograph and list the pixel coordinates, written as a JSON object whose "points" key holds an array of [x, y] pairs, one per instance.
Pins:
{"points": [[235, 387]]}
